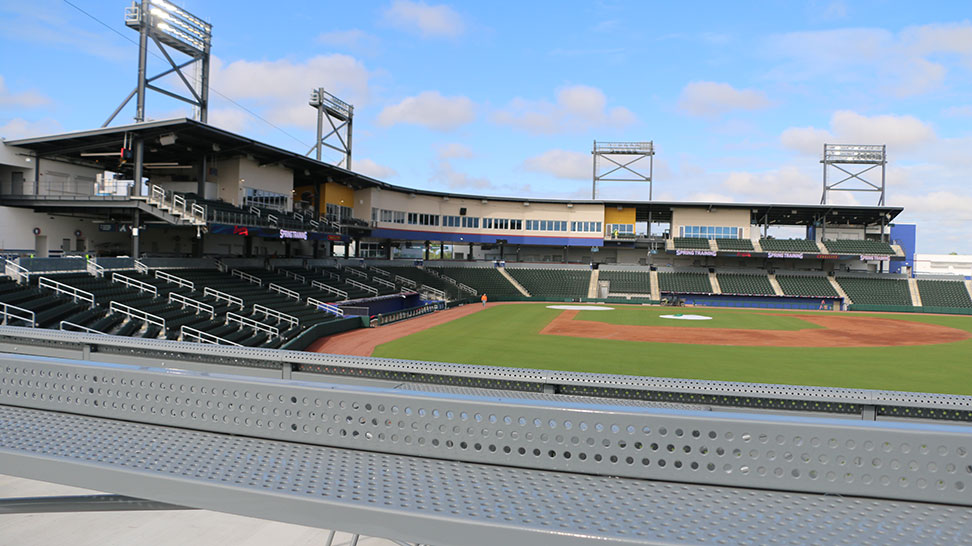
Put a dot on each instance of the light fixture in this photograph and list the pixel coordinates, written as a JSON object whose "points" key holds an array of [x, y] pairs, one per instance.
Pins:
{"points": [[167, 139]]}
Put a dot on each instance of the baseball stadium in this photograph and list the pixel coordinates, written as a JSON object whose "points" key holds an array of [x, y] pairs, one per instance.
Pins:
{"points": [[195, 319]]}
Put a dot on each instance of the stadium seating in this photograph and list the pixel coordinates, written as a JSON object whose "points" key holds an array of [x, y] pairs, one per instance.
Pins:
{"points": [[735, 283], [691, 243], [789, 245], [876, 291], [554, 284], [684, 282], [735, 244], [936, 293], [817, 287], [421, 277], [845, 246], [627, 282], [49, 309], [484, 280]]}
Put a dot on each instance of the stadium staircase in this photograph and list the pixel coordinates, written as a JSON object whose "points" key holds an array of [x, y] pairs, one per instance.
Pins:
{"points": [[821, 248], [968, 287], [714, 281], [655, 291], [777, 289], [713, 245], [592, 287], [839, 290], [517, 285], [756, 246], [913, 290]]}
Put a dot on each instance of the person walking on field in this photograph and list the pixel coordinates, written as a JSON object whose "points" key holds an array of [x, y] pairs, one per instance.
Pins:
{"points": [[483, 299]]}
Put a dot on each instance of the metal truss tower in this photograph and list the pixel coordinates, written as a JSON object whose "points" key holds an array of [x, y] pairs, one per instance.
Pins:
{"points": [[340, 116], [862, 159], [615, 162]]}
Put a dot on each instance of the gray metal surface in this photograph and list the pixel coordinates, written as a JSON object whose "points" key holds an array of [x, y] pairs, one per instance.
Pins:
{"points": [[916, 462], [81, 503], [441, 502], [687, 391]]}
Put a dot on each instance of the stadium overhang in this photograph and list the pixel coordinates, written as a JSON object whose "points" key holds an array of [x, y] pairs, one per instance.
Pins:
{"points": [[185, 141]]}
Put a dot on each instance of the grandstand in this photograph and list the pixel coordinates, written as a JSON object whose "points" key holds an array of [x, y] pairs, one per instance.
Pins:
{"points": [[684, 282], [941, 293], [876, 291], [810, 286], [553, 284], [736, 283], [627, 282]]}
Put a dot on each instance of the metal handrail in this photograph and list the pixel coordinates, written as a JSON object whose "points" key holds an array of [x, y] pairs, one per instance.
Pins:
{"points": [[327, 288], [137, 314], [72, 327], [273, 313], [324, 306], [141, 268], [468, 288], [370, 289], [170, 278], [16, 271], [11, 312], [433, 291], [175, 297], [296, 276], [223, 296], [134, 283], [382, 282], [192, 334], [356, 273], [406, 281], [94, 269], [61, 288], [247, 277], [256, 325], [284, 291]]}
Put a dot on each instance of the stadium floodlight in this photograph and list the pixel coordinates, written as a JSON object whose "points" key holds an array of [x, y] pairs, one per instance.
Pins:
{"points": [[618, 169], [333, 110], [862, 158]]}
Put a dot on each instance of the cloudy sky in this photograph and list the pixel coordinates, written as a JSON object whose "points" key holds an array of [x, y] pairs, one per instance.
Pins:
{"points": [[506, 98]]}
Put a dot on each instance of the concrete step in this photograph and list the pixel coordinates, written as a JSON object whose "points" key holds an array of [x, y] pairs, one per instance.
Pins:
{"points": [[777, 289], [968, 287], [822, 248], [655, 290], [913, 289], [713, 245], [592, 286], [716, 289], [756, 246], [515, 284], [839, 289]]}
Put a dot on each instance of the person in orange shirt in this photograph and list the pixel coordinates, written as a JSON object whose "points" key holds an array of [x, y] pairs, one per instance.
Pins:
{"points": [[483, 299]]}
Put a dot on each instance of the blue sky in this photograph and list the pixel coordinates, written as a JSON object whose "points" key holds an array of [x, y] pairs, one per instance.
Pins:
{"points": [[506, 98]]}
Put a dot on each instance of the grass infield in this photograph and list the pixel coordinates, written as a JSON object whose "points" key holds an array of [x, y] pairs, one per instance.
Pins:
{"points": [[508, 335]]}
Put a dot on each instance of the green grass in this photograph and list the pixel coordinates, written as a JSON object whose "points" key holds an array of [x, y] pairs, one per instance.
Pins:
{"points": [[508, 335], [721, 318]]}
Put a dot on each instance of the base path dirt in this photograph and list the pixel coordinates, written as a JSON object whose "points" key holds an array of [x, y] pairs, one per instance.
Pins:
{"points": [[362, 342], [836, 331]]}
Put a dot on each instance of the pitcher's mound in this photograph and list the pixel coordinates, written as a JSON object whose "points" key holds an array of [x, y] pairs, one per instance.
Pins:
{"points": [[687, 317]]}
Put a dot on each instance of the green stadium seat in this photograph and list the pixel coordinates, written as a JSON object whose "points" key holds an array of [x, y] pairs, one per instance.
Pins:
{"points": [[936, 293]]}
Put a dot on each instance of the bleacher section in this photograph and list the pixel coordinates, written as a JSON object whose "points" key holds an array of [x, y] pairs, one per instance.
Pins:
{"points": [[735, 283], [487, 281], [422, 276], [49, 308], [735, 244], [553, 284], [789, 245], [818, 287], [691, 243], [875, 291], [221, 212], [627, 282], [936, 293], [684, 282], [867, 247]]}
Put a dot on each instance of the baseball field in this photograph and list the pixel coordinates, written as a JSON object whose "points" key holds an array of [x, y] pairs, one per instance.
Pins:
{"points": [[923, 353]]}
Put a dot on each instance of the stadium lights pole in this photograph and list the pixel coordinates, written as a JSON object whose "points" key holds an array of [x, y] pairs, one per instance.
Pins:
{"points": [[331, 108]]}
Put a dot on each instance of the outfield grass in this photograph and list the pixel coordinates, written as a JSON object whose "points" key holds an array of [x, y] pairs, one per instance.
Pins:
{"points": [[508, 335], [721, 318]]}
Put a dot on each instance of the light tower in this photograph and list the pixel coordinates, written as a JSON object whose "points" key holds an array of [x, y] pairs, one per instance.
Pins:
{"points": [[861, 158], [615, 162], [333, 110]]}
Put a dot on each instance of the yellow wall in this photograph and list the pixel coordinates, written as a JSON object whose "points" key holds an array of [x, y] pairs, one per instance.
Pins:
{"points": [[614, 216], [336, 194]]}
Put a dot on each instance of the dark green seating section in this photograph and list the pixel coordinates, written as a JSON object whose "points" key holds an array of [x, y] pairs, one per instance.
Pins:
{"points": [[845, 246], [943, 293], [422, 276], [627, 282], [553, 284], [684, 282], [484, 280], [734, 244], [789, 245], [736, 283], [818, 287], [49, 308], [691, 243], [876, 291]]}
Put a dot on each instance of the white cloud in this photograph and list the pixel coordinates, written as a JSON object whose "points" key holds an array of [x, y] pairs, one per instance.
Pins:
{"points": [[561, 164], [901, 133], [51, 24], [430, 109], [788, 184], [278, 90], [455, 150], [26, 99], [447, 174], [22, 128], [904, 64], [368, 167], [962, 111], [712, 99], [576, 108], [353, 40], [232, 119], [428, 21]]}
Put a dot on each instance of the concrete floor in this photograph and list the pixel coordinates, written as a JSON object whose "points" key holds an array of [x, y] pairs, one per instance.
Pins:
{"points": [[158, 528]]}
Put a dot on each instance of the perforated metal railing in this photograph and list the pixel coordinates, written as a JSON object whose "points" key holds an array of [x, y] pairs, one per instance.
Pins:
{"points": [[908, 461], [685, 391]]}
